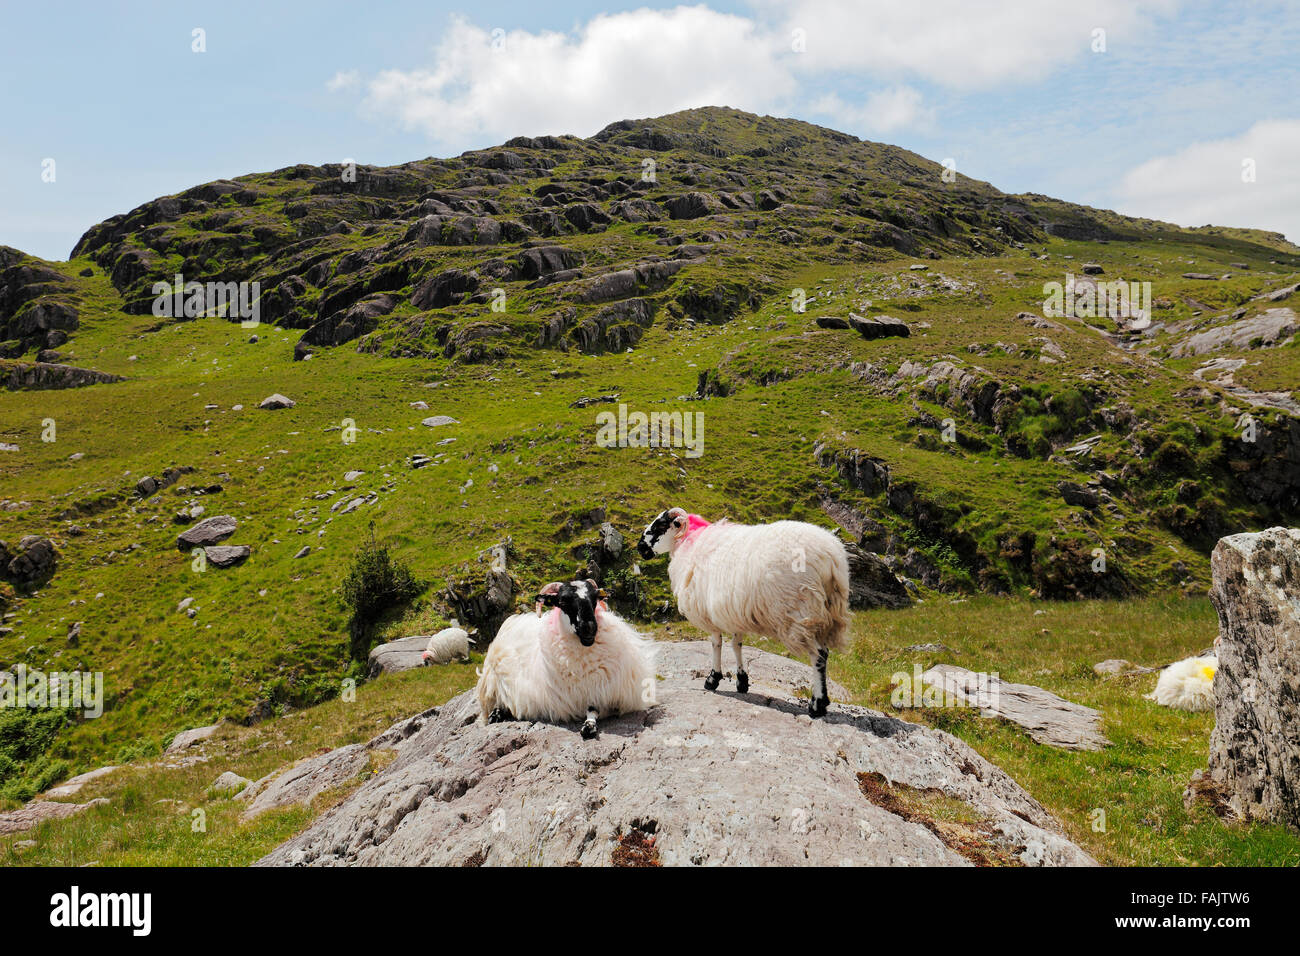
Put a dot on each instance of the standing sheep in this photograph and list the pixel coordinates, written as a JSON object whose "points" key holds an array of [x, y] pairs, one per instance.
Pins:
{"points": [[579, 658], [787, 580]]}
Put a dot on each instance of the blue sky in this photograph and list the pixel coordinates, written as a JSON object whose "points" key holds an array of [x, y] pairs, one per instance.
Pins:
{"points": [[1159, 123]]}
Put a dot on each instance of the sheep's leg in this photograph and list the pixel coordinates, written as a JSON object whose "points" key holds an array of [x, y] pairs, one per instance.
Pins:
{"points": [[742, 679], [821, 699], [499, 714], [589, 725], [711, 682]]}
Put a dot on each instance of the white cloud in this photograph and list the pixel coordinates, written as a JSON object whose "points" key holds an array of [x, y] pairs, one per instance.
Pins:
{"points": [[484, 85], [957, 43], [1202, 183], [344, 80], [881, 112]]}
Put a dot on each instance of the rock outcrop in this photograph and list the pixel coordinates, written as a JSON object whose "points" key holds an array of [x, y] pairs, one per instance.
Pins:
{"points": [[1255, 745], [1044, 716], [698, 778], [39, 376]]}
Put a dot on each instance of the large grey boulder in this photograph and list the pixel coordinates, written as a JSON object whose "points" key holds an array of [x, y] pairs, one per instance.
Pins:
{"points": [[190, 738], [697, 778], [1044, 716], [32, 565], [402, 654], [33, 814], [227, 555], [1255, 745], [207, 532]]}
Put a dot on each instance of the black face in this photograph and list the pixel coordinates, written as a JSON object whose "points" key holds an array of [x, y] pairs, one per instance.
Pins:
{"points": [[655, 530], [577, 601]]}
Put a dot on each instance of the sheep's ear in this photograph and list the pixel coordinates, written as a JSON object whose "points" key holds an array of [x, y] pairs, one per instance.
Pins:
{"points": [[549, 594]]}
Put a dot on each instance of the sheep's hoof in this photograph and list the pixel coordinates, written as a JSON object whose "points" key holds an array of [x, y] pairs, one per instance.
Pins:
{"points": [[588, 731], [742, 682], [498, 715], [817, 706], [713, 680]]}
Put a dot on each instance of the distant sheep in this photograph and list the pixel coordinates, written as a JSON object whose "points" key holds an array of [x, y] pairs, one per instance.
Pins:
{"points": [[449, 644], [1187, 684], [787, 580], [578, 660]]}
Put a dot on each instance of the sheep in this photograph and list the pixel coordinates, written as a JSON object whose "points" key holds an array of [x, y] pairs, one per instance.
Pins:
{"points": [[578, 660], [1187, 684], [786, 580], [451, 643]]}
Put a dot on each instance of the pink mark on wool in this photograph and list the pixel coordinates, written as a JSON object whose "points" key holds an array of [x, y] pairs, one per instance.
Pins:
{"points": [[694, 524]]}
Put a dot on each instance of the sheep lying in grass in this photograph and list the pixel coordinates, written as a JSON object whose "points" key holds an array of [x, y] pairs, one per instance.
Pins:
{"points": [[787, 580], [449, 644], [577, 660], [1187, 684]]}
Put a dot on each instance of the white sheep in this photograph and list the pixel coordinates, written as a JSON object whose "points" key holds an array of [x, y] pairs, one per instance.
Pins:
{"points": [[578, 659], [787, 580], [1187, 684], [451, 643]]}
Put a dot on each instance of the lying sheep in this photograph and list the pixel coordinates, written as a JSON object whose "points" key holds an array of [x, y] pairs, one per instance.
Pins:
{"points": [[579, 659], [1187, 684], [449, 644], [787, 580]]}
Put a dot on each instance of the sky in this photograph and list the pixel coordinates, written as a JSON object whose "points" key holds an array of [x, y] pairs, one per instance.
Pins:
{"points": [[1182, 110]]}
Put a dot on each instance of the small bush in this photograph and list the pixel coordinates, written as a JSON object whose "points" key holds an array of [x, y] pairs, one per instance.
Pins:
{"points": [[376, 584]]}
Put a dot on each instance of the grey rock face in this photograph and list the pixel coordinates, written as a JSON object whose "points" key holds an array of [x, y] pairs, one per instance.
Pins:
{"points": [[882, 326], [872, 583], [402, 654], [38, 811], [698, 778], [38, 376], [308, 779], [189, 738], [207, 532], [32, 565], [1255, 745], [1047, 718], [227, 556]]}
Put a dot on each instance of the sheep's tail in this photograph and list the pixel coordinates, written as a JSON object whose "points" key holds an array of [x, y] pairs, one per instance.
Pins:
{"points": [[836, 634]]}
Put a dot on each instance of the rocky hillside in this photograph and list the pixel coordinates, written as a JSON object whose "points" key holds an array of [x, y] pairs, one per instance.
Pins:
{"points": [[864, 342]]}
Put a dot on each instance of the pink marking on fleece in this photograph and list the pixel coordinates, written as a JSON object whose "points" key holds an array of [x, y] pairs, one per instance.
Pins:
{"points": [[694, 525]]}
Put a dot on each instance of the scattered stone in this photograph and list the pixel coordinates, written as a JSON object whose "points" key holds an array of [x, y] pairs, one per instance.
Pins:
{"points": [[1047, 718], [70, 787], [698, 779], [1078, 495], [931, 648], [435, 420], [38, 811], [207, 532], [1092, 269], [189, 738], [353, 475], [1123, 668], [228, 783], [276, 401], [596, 400], [832, 322], [303, 551], [227, 556], [1200, 275], [882, 326], [32, 565]]}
